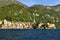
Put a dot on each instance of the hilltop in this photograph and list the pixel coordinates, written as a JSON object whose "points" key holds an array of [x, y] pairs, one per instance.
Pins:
{"points": [[8, 2]]}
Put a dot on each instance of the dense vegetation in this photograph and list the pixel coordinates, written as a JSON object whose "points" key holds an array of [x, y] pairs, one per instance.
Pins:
{"points": [[45, 15], [14, 12], [39, 13]]}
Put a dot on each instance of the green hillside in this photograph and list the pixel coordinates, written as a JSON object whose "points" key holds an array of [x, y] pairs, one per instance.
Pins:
{"points": [[43, 14], [39, 13], [14, 12]]}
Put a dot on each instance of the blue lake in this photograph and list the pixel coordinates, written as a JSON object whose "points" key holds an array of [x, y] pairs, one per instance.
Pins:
{"points": [[29, 34]]}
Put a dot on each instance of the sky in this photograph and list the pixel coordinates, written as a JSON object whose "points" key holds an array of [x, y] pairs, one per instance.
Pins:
{"points": [[41, 2]]}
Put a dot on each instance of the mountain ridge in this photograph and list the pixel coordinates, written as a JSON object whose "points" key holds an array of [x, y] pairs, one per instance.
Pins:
{"points": [[8, 2]]}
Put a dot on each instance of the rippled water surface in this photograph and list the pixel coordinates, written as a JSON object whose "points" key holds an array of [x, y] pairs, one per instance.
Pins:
{"points": [[17, 34]]}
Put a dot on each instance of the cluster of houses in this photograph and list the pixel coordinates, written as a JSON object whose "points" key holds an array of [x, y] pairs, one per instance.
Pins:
{"points": [[24, 25], [16, 25]]}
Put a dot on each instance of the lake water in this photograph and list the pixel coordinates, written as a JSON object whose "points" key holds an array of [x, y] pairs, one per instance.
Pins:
{"points": [[29, 34]]}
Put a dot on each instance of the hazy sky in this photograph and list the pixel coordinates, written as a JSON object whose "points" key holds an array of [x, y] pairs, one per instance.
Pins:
{"points": [[43, 2]]}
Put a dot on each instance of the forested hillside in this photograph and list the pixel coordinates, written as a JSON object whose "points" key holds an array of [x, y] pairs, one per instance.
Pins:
{"points": [[16, 11]]}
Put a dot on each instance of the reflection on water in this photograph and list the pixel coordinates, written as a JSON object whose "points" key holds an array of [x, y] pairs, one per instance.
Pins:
{"points": [[25, 34]]}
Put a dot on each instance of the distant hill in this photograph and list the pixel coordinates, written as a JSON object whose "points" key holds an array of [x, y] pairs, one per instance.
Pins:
{"points": [[12, 10], [45, 14]]}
